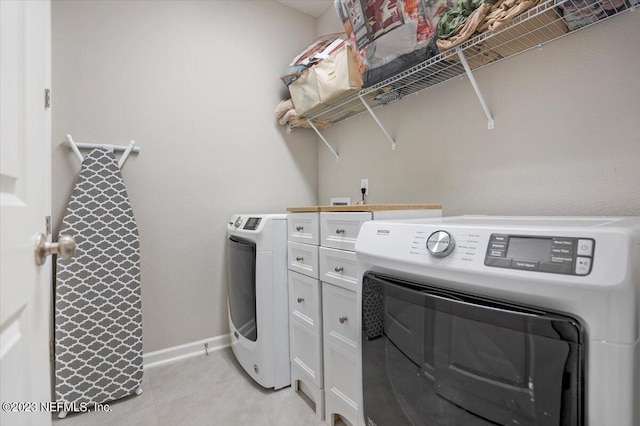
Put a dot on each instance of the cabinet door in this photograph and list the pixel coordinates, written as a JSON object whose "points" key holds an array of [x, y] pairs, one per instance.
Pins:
{"points": [[340, 230], [340, 381], [305, 301], [339, 267], [339, 316], [306, 352], [303, 258], [304, 228]]}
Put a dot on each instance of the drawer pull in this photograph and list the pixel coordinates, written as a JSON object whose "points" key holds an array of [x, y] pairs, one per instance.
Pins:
{"points": [[338, 269], [340, 231], [299, 258], [300, 299], [343, 320], [299, 228]]}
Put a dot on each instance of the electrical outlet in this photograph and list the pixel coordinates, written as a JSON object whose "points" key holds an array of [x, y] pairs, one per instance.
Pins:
{"points": [[364, 183]]}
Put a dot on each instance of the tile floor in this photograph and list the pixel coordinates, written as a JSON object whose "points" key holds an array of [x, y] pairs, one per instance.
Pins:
{"points": [[203, 390]]}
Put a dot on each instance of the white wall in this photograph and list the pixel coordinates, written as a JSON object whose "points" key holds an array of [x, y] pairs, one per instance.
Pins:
{"points": [[566, 138], [195, 84]]}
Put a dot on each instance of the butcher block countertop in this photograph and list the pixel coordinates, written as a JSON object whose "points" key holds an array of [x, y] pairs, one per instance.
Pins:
{"points": [[364, 208]]}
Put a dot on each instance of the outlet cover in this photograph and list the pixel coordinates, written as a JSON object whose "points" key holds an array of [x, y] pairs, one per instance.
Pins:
{"points": [[364, 183]]}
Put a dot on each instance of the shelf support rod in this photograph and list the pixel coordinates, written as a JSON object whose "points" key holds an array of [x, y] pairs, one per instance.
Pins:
{"points": [[333, 151], [472, 79], [389, 138]]}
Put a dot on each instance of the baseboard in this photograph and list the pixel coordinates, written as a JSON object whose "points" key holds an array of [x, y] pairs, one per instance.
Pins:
{"points": [[175, 353]]}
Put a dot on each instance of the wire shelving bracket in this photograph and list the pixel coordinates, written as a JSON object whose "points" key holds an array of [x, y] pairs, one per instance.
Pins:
{"points": [[472, 79], [375, 117], [333, 151]]}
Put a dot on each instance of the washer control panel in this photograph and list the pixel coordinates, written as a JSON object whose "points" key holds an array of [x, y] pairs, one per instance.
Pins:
{"points": [[556, 255]]}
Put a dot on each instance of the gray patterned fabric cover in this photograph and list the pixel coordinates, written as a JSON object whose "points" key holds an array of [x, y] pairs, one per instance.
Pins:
{"points": [[98, 322]]}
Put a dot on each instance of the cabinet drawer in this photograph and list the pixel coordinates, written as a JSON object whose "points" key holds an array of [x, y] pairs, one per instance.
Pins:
{"points": [[304, 228], [340, 230], [339, 267], [339, 316], [340, 378], [303, 258], [306, 352], [305, 301]]}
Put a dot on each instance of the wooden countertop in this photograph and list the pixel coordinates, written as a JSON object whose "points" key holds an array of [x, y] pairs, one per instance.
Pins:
{"points": [[364, 208]]}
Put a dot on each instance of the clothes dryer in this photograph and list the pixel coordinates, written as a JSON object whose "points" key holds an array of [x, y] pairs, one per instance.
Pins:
{"points": [[258, 296], [500, 320]]}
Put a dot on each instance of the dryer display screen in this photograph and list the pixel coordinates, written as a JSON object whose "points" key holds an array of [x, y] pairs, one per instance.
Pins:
{"points": [[252, 223], [538, 249]]}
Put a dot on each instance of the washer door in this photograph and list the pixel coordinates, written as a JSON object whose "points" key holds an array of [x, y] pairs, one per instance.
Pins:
{"points": [[241, 286], [436, 357]]}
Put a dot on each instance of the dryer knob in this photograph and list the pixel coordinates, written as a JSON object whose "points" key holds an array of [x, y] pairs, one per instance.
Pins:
{"points": [[440, 244]]}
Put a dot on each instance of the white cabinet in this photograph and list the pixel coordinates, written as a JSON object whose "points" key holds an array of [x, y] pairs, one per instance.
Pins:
{"points": [[341, 390], [323, 305], [304, 228], [305, 304], [303, 258], [340, 230], [339, 267], [305, 307], [307, 356], [339, 316], [340, 353], [339, 276]]}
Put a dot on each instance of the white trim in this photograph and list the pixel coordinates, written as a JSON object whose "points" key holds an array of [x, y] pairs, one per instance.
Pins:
{"points": [[175, 353]]}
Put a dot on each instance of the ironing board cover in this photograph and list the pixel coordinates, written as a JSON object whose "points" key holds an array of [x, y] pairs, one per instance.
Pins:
{"points": [[98, 321]]}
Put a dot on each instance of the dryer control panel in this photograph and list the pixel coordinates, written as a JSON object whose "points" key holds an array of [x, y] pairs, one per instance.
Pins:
{"points": [[248, 223], [556, 255]]}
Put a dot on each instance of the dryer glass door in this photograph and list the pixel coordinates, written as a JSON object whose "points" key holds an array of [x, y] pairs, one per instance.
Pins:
{"points": [[437, 357], [241, 286]]}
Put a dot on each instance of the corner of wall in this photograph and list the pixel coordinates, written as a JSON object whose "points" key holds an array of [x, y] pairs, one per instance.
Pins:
{"points": [[328, 23]]}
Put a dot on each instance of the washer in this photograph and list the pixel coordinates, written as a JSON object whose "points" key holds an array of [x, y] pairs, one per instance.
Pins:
{"points": [[500, 320], [258, 296]]}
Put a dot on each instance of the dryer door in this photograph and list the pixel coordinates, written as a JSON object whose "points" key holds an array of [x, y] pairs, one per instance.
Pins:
{"points": [[241, 286], [437, 357]]}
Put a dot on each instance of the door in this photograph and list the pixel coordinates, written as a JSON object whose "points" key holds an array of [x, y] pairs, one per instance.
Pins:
{"points": [[241, 286], [437, 357], [25, 187]]}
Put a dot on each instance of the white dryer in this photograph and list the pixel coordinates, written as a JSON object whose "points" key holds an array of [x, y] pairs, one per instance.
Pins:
{"points": [[258, 296], [479, 320]]}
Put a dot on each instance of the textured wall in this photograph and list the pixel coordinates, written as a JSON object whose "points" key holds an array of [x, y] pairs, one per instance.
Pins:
{"points": [[195, 84], [566, 138]]}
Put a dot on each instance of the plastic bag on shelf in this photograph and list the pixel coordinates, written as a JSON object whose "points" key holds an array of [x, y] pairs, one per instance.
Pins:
{"points": [[389, 36]]}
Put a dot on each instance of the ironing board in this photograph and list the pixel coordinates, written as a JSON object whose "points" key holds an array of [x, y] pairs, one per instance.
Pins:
{"points": [[98, 320]]}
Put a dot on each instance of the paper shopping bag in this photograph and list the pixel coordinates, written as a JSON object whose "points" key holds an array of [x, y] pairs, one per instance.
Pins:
{"points": [[338, 75]]}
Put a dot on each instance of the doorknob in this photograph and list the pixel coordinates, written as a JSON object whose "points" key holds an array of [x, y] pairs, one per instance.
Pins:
{"points": [[65, 247]]}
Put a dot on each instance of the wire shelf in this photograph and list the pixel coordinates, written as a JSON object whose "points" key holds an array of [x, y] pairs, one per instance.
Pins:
{"points": [[542, 24]]}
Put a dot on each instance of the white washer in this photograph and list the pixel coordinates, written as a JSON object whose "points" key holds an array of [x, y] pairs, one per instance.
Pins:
{"points": [[258, 296], [481, 284]]}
